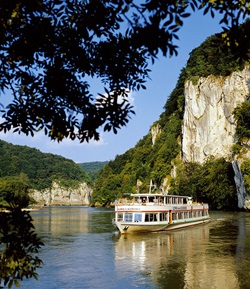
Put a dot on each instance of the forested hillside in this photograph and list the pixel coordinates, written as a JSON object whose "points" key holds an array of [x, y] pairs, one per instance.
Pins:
{"points": [[40, 168], [92, 168], [212, 181]]}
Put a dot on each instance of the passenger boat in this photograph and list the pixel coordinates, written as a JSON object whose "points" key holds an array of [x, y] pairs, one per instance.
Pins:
{"points": [[158, 212]]}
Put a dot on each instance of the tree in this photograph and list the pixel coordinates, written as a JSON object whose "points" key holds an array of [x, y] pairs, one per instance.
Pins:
{"points": [[216, 184], [14, 192], [18, 239], [242, 116], [49, 50], [187, 180]]}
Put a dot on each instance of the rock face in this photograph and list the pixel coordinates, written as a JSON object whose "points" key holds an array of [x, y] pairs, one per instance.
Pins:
{"points": [[209, 125], [58, 196], [155, 132], [239, 182]]}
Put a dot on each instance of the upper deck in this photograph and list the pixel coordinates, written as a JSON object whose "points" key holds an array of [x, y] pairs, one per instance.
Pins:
{"points": [[159, 202]]}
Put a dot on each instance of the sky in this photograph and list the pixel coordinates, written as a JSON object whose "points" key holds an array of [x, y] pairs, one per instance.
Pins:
{"points": [[148, 104]]}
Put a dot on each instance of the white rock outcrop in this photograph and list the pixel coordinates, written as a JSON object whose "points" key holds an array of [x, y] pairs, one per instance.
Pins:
{"points": [[59, 196], [155, 132], [208, 123], [209, 126]]}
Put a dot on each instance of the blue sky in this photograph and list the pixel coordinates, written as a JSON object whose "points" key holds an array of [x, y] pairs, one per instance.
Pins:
{"points": [[148, 103]]}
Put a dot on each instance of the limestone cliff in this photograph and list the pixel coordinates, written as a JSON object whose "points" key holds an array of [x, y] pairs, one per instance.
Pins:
{"points": [[155, 132], [59, 196], [208, 123], [209, 127]]}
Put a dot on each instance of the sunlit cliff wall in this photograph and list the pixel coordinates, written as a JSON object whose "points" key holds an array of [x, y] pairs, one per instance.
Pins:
{"points": [[209, 125], [59, 196]]}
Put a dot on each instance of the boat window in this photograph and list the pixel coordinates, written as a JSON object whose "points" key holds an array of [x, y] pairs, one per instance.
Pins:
{"points": [[151, 199], [180, 200], [180, 215], [128, 217], [163, 216], [150, 217], [119, 217], [177, 200], [168, 200], [138, 217], [174, 216]]}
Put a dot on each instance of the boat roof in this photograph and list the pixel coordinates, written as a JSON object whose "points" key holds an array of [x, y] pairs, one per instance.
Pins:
{"points": [[158, 195]]}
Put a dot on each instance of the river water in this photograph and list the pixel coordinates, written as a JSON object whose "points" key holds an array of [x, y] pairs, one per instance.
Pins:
{"points": [[83, 250]]}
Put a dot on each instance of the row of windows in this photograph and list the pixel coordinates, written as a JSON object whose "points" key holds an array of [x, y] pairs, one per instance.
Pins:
{"points": [[188, 215], [169, 200], [154, 217], [149, 217]]}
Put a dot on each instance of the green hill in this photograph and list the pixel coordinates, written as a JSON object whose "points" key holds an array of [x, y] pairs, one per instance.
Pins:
{"points": [[93, 168], [41, 168]]}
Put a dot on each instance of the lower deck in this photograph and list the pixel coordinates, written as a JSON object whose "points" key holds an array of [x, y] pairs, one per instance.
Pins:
{"points": [[169, 216], [156, 221]]}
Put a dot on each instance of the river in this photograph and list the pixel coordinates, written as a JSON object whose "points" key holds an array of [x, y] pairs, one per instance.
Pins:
{"points": [[82, 250]]}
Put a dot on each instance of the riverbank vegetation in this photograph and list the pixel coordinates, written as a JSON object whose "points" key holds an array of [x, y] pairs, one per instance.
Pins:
{"points": [[212, 182]]}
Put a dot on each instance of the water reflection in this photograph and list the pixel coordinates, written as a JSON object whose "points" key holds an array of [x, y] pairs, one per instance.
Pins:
{"points": [[61, 220], [72, 220], [215, 255]]}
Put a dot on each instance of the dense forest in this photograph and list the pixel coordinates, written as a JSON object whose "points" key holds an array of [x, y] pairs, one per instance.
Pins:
{"points": [[93, 168], [40, 169], [212, 181]]}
